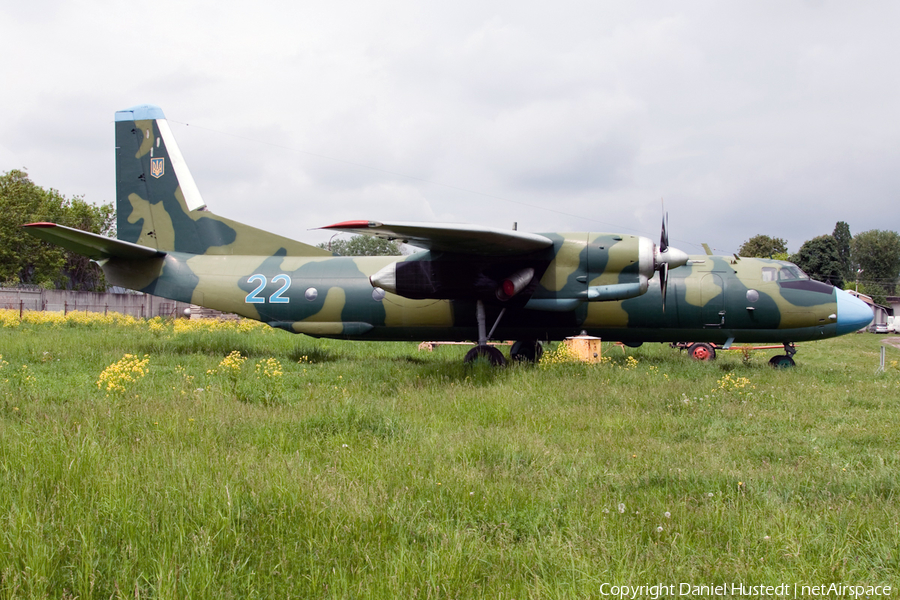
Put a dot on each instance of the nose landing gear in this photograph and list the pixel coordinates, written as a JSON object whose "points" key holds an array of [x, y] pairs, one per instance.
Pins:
{"points": [[786, 360]]}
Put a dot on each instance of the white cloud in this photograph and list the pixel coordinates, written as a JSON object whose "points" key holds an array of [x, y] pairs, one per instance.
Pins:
{"points": [[758, 118]]}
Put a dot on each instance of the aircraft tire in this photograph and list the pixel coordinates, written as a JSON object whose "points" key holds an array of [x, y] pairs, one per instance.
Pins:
{"points": [[526, 351], [701, 351], [782, 361], [489, 353]]}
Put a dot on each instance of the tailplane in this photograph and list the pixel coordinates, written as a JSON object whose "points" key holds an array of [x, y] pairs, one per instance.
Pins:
{"points": [[159, 206]]}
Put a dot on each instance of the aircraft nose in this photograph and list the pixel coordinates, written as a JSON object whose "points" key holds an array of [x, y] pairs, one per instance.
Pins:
{"points": [[852, 313]]}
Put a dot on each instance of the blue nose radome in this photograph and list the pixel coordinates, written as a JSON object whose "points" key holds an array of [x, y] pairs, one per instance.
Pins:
{"points": [[852, 313]]}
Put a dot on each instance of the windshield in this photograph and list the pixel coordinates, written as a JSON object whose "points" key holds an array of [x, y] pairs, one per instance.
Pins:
{"points": [[791, 273]]}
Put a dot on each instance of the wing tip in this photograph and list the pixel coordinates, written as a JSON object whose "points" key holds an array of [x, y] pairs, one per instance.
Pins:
{"points": [[40, 224], [359, 224]]}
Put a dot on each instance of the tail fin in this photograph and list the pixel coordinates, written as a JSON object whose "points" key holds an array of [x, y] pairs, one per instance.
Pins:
{"points": [[158, 204]]}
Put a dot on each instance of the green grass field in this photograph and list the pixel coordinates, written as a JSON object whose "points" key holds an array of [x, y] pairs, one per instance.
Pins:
{"points": [[317, 468]]}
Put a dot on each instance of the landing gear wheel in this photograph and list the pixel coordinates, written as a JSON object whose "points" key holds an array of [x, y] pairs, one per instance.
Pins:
{"points": [[782, 361], [701, 351], [526, 351], [489, 353]]}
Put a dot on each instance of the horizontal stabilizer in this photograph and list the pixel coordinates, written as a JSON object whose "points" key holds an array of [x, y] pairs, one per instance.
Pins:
{"points": [[459, 238], [92, 245]]}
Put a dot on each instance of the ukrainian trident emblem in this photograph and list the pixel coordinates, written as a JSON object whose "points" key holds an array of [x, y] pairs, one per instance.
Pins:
{"points": [[157, 167]]}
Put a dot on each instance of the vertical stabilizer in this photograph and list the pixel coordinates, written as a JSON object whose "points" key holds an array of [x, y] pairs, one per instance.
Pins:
{"points": [[159, 205]]}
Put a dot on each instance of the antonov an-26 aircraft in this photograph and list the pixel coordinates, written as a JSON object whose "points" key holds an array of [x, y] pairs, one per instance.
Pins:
{"points": [[471, 283]]}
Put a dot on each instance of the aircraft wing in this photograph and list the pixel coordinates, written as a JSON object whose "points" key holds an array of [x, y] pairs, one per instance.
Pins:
{"points": [[92, 245], [452, 237]]}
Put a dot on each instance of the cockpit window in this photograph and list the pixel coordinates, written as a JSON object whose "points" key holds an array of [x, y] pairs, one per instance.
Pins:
{"points": [[791, 273], [785, 273]]}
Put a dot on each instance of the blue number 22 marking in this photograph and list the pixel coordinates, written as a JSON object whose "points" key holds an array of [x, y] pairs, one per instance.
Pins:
{"points": [[276, 298]]}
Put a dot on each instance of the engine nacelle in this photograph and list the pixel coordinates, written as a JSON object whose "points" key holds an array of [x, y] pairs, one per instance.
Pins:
{"points": [[584, 267], [628, 263]]}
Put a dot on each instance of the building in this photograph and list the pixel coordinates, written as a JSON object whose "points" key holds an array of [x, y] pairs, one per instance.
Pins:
{"points": [[880, 313]]}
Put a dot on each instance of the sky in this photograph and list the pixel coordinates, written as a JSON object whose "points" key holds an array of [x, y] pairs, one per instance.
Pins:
{"points": [[743, 118]]}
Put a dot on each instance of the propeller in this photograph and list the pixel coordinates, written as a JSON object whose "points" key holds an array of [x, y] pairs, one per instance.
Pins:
{"points": [[667, 257]]}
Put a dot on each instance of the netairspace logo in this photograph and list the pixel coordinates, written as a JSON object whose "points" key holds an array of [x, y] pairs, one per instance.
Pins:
{"points": [[784, 590]]}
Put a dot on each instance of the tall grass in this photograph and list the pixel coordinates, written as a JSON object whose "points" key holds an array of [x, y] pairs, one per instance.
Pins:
{"points": [[375, 470]]}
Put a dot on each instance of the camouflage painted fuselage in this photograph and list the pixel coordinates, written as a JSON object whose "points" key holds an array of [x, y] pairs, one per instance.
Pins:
{"points": [[601, 283], [332, 296]]}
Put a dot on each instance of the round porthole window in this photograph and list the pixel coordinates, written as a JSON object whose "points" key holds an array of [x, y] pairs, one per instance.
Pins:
{"points": [[311, 294], [752, 295]]}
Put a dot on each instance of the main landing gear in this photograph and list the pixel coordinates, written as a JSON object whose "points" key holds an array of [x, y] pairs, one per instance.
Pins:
{"points": [[482, 350], [526, 351], [522, 351], [488, 353]]}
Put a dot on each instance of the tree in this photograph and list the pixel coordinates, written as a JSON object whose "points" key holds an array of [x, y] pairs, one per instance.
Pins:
{"points": [[80, 273], [877, 253], [820, 258], [843, 238], [362, 245], [762, 246], [25, 259]]}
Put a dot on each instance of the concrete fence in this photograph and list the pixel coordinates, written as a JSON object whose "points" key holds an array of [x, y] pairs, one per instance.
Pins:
{"points": [[136, 305]]}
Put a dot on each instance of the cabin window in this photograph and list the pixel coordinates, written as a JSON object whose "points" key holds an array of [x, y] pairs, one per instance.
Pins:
{"points": [[768, 273]]}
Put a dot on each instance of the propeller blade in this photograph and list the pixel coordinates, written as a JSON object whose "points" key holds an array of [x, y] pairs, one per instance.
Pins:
{"points": [[664, 236], [663, 282]]}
